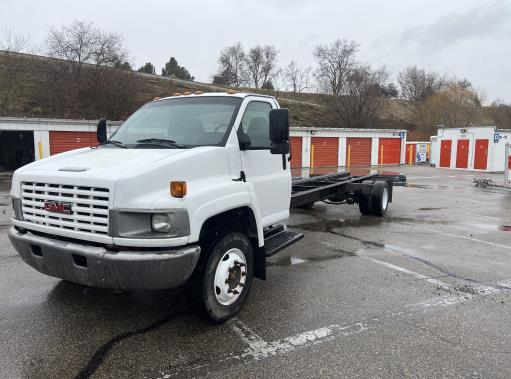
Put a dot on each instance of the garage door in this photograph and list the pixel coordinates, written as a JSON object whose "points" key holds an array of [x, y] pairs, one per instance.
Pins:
{"points": [[65, 141], [481, 154], [389, 151], [445, 153], [462, 153], [411, 150], [324, 152], [296, 152], [358, 151]]}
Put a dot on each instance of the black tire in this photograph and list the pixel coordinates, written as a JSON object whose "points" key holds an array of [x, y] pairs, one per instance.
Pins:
{"points": [[217, 311], [307, 206], [364, 203], [380, 198], [364, 206]]}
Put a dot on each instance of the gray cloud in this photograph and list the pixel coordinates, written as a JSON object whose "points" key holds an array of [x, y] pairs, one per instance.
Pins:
{"points": [[490, 20]]}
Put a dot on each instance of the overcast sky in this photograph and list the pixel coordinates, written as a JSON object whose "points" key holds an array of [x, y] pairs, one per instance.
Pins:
{"points": [[466, 38]]}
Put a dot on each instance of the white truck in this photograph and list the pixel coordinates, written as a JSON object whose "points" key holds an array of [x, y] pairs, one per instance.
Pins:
{"points": [[193, 187]]}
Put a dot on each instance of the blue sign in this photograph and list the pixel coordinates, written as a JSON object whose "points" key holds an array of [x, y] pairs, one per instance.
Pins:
{"points": [[496, 138], [402, 135]]}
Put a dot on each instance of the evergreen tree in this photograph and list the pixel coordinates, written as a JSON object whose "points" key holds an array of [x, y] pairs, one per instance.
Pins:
{"points": [[148, 68], [174, 70]]}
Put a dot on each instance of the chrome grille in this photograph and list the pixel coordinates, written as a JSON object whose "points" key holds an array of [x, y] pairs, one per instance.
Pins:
{"points": [[89, 206]]}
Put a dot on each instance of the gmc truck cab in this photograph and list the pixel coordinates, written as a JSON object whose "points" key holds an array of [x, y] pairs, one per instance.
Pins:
{"points": [[186, 189]]}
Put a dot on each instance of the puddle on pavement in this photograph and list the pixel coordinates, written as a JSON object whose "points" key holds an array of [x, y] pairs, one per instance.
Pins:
{"points": [[435, 187], [289, 261], [505, 228]]}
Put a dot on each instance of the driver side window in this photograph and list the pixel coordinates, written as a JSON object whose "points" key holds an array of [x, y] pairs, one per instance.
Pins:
{"points": [[256, 124]]}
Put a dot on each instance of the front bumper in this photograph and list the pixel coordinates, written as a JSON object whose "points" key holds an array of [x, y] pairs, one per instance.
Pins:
{"points": [[99, 267]]}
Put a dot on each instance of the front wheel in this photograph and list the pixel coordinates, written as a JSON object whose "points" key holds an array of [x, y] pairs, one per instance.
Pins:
{"points": [[227, 277]]}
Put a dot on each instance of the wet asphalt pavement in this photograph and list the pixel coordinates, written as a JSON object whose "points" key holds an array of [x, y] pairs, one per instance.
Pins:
{"points": [[424, 292]]}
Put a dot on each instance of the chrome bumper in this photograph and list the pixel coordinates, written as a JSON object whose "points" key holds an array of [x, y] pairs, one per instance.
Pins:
{"points": [[98, 267]]}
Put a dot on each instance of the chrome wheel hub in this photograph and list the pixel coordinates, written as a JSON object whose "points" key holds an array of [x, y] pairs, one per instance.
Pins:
{"points": [[230, 276]]}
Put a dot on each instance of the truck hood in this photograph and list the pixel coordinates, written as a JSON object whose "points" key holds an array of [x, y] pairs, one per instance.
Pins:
{"points": [[102, 163]]}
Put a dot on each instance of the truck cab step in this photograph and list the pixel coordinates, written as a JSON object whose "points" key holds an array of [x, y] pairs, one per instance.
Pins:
{"points": [[280, 241]]}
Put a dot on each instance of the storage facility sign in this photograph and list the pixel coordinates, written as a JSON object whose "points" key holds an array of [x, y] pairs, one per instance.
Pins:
{"points": [[422, 153]]}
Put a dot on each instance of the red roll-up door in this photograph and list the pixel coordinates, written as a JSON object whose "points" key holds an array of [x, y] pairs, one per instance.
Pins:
{"points": [[462, 153], [411, 151], [324, 152], [65, 141], [481, 154], [445, 153], [358, 151], [389, 150], [296, 152]]}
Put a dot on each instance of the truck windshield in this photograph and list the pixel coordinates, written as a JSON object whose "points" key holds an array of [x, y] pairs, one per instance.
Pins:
{"points": [[179, 123]]}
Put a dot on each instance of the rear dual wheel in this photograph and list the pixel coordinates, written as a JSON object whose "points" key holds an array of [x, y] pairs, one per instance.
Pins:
{"points": [[376, 203]]}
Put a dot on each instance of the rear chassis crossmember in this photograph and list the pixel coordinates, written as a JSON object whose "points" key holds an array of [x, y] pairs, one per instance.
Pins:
{"points": [[341, 187]]}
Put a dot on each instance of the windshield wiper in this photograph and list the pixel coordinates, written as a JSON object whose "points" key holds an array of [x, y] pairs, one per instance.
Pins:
{"points": [[162, 141], [115, 143]]}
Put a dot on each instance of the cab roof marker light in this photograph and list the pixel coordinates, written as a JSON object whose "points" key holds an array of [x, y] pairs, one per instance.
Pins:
{"points": [[231, 92], [156, 98], [187, 93], [177, 94], [198, 93]]}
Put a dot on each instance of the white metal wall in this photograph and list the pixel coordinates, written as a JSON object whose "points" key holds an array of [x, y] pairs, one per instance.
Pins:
{"points": [[343, 135], [496, 150], [42, 127]]}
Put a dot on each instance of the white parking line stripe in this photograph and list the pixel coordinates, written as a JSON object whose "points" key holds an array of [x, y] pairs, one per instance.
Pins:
{"points": [[507, 247], [247, 335], [259, 349], [436, 282]]}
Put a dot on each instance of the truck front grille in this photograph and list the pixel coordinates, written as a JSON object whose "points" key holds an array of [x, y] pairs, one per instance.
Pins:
{"points": [[78, 208]]}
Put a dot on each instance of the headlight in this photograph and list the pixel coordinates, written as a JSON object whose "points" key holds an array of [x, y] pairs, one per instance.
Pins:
{"points": [[160, 222]]}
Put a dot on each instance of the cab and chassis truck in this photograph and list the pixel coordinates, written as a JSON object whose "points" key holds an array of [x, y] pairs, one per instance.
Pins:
{"points": [[191, 188]]}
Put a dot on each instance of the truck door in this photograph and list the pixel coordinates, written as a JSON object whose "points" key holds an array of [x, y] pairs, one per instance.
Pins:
{"points": [[263, 171]]}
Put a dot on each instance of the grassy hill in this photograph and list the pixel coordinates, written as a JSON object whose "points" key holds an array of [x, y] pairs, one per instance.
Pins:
{"points": [[43, 87]]}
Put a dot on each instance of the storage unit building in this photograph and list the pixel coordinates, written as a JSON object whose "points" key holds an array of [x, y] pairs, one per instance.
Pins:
{"points": [[23, 140], [33, 139], [473, 148], [337, 147]]}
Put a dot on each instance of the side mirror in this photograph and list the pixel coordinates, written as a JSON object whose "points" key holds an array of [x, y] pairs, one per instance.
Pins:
{"points": [[101, 131], [243, 139], [279, 131]]}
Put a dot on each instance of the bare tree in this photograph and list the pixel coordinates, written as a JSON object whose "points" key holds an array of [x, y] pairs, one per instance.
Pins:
{"points": [[454, 107], [295, 78], [362, 97], [255, 61], [233, 68], [97, 59], [335, 64], [261, 62], [82, 42], [417, 85], [13, 44]]}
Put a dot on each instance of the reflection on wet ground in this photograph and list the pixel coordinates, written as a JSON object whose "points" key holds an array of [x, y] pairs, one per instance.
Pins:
{"points": [[435, 187], [288, 261]]}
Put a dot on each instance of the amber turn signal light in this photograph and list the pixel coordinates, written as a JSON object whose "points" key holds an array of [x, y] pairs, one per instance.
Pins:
{"points": [[178, 189]]}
